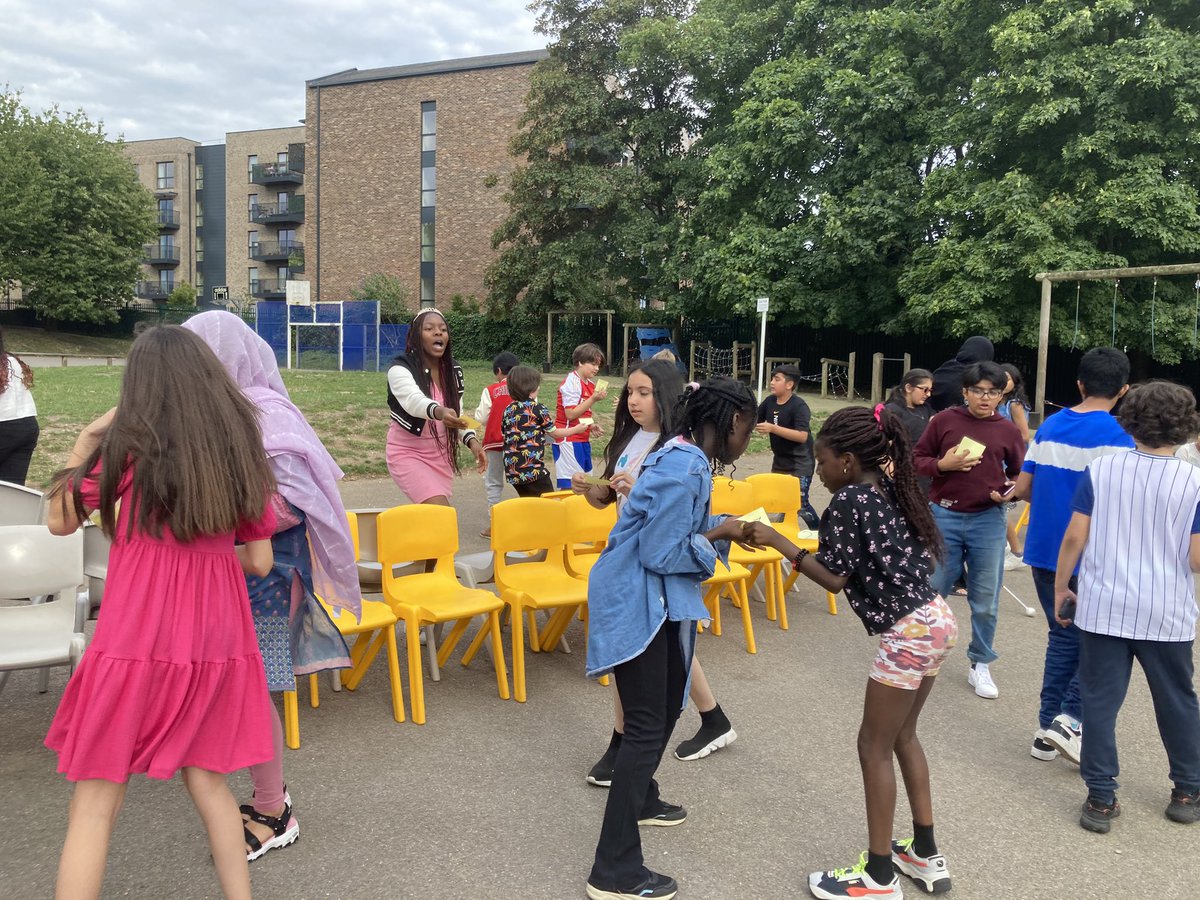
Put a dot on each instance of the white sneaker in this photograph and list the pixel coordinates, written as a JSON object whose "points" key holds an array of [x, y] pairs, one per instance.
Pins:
{"points": [[1042, 749], [980, 678], [1066, 736], [1012, 562]]}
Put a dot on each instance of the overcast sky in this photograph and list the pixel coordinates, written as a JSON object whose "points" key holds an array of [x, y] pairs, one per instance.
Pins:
{"points": [[200, 68]]}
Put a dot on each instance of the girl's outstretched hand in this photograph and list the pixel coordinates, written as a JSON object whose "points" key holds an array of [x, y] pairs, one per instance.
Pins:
{"points": [[756, 535], [730, 529], [89, 439]]}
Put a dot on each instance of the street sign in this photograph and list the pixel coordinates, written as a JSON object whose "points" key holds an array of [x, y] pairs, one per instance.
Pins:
{"points": [[764, 304], [221, 293]]}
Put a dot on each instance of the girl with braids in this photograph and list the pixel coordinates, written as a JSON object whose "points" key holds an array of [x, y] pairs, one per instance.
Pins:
{"points": [[18, 417], [645, 410], [643, 605], [425, 389], [878, 540]]}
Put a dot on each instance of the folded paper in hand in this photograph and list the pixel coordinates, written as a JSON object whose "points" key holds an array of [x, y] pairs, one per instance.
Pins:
{"points": [[755, 515], [587, 420], [471, 423], [973, 448], [596, 480], [601, 385]]}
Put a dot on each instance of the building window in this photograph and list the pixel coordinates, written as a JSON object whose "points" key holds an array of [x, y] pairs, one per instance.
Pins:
{"points": [[253, 242], [166, 280], [252, 201], [199, 177], [428, 200], [166, 176], [199, 214], [251, 162], [199, 249], [287, 239], [253, 273], [281, 159], [282, 200], [166, 245]]}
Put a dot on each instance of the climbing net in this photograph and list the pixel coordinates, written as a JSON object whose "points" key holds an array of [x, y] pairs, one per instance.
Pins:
{"points": [[735, 361]]}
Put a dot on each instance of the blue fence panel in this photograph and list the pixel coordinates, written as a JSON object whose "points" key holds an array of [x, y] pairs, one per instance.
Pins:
{"points": [[270, 324], [391, 343]]}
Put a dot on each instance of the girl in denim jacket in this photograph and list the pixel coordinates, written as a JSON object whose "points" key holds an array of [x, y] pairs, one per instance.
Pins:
{"points": [[643, 605]]}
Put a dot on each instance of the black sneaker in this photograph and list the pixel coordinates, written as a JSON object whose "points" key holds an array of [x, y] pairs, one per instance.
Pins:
{"points": [[1097, 815], [656, 887], [663, 813], [1184, 807], [601, 773], [709, 739]]}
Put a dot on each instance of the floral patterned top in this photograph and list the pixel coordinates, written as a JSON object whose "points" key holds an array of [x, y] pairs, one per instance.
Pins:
{"points": [[526, 427], [864, 535]]}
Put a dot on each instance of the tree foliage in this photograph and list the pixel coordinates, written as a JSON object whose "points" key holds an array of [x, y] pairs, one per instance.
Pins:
{"points": [[890, 166], [183, 296], [73, 217], [394, 297]]}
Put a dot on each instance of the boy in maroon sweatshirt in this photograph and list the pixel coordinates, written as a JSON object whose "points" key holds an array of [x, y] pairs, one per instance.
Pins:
{"points": [[970, 453]]}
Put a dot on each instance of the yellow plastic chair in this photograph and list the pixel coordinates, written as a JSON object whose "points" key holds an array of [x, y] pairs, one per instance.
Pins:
{"points": [[587, 533], [376, 629], [779, 493], [736, 498], [1023, 521], [732, 580], [534, 523], [428, 532]]}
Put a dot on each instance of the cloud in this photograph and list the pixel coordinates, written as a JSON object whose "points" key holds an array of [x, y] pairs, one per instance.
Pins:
{"points": [[199, 70]]}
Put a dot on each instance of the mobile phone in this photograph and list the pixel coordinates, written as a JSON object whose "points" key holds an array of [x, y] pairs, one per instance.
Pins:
{"points": [[1067, 611], [1008, 490]]}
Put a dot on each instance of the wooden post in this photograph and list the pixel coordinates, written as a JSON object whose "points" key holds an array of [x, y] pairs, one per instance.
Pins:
{"points": [[608, 340], [876, 377], [824, 378], [549, 339], [625, 350], [850, 375], [1039, 399], [907, 361]]}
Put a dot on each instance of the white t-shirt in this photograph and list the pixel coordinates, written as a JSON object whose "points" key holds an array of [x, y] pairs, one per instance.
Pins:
{"points": [[16, 402], [1189, 452], [633, 456]]}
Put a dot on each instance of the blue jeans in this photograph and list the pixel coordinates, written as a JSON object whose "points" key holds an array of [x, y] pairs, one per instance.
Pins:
{"points": [[807, 513], [978, 539], [1060, 675], [1105, 664]]}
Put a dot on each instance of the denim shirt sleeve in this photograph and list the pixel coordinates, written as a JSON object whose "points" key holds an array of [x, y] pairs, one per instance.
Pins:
{"points": [[668, 544]]}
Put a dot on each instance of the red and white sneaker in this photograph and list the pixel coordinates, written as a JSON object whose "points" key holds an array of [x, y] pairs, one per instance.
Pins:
{"points": [[931, 873], [854, 881]]}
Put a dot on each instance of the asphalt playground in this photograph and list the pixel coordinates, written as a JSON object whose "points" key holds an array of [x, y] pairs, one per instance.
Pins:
{"points": [[488, 799]]}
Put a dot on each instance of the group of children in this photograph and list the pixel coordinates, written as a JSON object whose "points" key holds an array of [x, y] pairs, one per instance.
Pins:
{"points": [[226, 522]]}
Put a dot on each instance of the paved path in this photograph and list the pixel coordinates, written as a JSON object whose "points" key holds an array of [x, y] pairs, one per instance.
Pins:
{"points": [[488, 799]]}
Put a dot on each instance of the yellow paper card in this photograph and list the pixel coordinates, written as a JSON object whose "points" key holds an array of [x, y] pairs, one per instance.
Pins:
{"points": [[596, 480], [601, 385], [973, 448], [471, 422], [756, 515], [587, 420]]}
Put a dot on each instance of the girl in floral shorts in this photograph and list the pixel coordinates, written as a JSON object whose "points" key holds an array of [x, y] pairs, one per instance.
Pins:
{"points": [[877, 543]]}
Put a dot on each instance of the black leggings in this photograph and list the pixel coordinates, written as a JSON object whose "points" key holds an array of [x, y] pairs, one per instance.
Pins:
{"points": [[18, 438], [651, 687]]}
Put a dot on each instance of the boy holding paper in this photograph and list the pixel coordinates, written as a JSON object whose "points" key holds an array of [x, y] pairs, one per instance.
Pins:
{"points": [[969, 452], [526, 427], [578, 393]]}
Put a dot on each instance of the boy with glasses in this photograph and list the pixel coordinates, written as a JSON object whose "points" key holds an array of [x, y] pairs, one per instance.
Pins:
{"points": [[972, 455]]}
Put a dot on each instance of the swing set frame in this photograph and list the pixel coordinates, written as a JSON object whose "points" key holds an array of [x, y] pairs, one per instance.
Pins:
{"points": [[1049, 279], [608, 322]]}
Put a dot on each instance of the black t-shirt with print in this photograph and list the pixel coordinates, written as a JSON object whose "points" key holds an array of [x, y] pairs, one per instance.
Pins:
{"points": [[864, 535], [792, 457]]}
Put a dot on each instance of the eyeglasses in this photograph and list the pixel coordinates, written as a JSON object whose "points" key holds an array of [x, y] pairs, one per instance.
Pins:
{"points": [[991, 394], [924, 390]]}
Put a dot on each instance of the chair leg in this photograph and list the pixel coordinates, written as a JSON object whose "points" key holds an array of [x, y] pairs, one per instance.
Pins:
{"points": [[477, 641], [451, 642], [314, 691], [518, 653], [291, 720], [493, 628], [416, 680], [393, 663], [831, 602], [431, 641], [43, 679], [3, 679], [335, 680], [365, 660], [791, 580], [780, 596], [535, 645], [747, 624]]}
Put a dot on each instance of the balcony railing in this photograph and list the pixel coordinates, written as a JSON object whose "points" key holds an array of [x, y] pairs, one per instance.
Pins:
{"points": [[268, 288], [154, 290], [291, 210], [274, 251], [168, 219], [275, 173], [160, 255]]}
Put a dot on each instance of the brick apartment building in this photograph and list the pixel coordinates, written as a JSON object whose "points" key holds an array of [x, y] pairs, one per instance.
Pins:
{"points": [[407, 169], [399, 170]]}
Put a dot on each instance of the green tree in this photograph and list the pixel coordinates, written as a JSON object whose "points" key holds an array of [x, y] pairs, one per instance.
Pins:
{"points": [[393, 296], [595, 206], [73, 217], [183, 296]]}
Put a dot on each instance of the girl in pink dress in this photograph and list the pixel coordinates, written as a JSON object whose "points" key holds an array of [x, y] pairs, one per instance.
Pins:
{"points": [[173, 680], [425, 389]]}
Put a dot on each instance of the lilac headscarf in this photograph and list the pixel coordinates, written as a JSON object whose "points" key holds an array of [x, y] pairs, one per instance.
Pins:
{"points": [[306, 474]]}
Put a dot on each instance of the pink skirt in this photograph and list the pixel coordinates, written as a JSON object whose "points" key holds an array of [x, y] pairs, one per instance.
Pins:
{"points": [[419, 465]]}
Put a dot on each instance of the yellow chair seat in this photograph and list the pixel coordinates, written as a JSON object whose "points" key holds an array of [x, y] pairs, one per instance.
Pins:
{"points": [[733, 579]]}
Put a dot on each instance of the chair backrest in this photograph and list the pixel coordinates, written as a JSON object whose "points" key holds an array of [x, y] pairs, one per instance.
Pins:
{"points": [[417, 531], [366, 533], [352, 518], [34, 562], [585, 523], [733, 498], [19, 505], [778, 493], [529, 523]]}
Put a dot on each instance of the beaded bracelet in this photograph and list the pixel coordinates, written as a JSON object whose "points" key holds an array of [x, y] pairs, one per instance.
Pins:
{"points": [[796, 561]]}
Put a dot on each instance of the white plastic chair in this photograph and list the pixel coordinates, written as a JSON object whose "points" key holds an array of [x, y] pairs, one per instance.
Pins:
{"points": [[36, 563], [19, 505], [96, 546]]}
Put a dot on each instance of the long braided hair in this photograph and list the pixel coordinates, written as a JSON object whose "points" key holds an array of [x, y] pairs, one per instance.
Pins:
{"points": [[714, 402], [876, 442], [26, 372], [450, 398]]}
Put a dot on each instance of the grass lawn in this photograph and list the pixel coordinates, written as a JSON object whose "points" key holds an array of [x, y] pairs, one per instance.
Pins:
{"points": [[37, 340], [347, 409]]}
